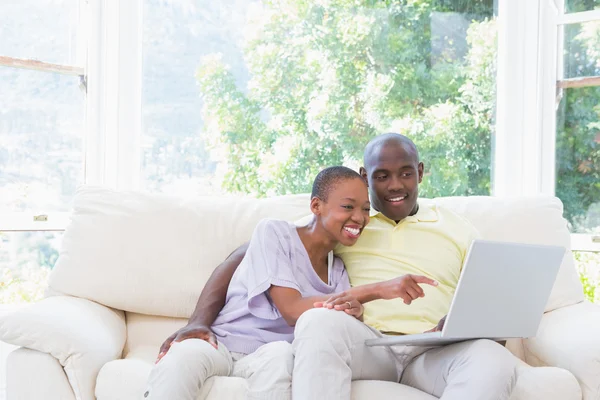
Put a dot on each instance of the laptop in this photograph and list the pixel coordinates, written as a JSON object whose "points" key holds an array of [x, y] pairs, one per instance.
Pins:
{"points": [[501, 294]]}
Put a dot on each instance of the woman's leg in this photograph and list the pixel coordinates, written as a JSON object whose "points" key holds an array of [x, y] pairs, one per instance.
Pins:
{"points": [[268, 371], [330, 352], [181, 373]]}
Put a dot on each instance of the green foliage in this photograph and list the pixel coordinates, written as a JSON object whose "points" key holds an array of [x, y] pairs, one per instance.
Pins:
{"points": [[327, 76], [578, 134], [588, 265]]}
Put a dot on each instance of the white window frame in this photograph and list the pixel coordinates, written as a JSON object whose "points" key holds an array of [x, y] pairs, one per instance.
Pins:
{"points": [[109, 60], [530, 65], [48, 221]]}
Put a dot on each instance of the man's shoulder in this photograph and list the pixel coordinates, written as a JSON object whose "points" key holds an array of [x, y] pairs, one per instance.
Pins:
{"points": [[450, 220]]}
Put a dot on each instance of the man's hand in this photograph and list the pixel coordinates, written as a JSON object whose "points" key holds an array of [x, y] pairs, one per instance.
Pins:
{"points": [[439, 326], [343, 302], [405, 287], [188, 332]]}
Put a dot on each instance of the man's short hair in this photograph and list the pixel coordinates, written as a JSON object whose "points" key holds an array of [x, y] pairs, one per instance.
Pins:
{"points": [[328, 178]]}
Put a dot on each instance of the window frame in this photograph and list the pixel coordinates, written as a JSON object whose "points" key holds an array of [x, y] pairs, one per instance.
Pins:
{"points": [[579, 241], [49, 221]]}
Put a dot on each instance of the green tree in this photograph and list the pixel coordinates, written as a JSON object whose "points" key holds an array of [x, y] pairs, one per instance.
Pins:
{"points": [[328, 76]]}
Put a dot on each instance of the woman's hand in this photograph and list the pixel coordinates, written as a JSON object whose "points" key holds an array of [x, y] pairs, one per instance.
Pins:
{"points": [[343, 302]]}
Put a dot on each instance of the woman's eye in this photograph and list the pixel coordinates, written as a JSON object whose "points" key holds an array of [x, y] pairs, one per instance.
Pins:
{"points": [[367, 209], [348, 207], [406, 174]]}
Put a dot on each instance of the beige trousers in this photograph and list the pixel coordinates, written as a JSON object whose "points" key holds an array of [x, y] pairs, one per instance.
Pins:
{"points": [[181, 373], [330, 353]]}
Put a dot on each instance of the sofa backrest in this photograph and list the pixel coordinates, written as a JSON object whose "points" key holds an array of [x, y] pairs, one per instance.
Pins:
{"points": [[534, 220], [152, 254]]}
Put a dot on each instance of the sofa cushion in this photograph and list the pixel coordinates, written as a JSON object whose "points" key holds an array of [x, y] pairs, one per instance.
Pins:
{"points": [[534, 220], [126, 379], [152, 254]]}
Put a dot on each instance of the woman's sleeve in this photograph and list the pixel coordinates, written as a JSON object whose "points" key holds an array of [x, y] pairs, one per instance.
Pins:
{"points": [[269, 265]]}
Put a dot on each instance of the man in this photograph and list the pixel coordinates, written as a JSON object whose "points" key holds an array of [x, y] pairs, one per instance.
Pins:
{"points": [[402, 238]]}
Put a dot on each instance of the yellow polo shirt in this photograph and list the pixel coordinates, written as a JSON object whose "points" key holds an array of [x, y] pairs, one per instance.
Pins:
{"points": [[433, 243]]}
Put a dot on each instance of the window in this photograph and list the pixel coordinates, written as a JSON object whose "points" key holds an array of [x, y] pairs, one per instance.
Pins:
{"points": [[578, 122], [42, 123], [256, 97]]}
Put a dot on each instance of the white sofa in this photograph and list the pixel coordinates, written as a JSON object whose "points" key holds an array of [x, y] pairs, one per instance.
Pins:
{"points": [[132, 266]]}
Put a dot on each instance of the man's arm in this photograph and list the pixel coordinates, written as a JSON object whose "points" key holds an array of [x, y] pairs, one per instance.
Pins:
{"points": [[212, 298], [210, 303]]}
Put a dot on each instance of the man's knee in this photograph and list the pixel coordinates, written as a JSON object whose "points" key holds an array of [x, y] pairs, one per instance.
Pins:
{"points": [[489, 355], [279, 357]]}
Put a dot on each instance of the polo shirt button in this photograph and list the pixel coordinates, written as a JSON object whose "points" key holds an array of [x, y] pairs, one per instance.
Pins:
{"points": [[146, 394]]}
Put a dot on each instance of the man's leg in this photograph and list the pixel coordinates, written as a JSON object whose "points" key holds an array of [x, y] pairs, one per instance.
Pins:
{"points": [[181, 373], [268, 371], [479, 369], [330, 352]]}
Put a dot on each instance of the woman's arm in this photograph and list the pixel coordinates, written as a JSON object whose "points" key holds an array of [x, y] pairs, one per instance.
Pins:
{"points": [[291, 304]]}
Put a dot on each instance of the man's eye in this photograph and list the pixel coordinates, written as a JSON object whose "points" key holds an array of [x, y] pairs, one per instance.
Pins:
{"points": [[380, 177], [407, 174]]}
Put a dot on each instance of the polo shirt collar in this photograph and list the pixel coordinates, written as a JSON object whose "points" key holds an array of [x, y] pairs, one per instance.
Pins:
{"points": [[426, 213]]}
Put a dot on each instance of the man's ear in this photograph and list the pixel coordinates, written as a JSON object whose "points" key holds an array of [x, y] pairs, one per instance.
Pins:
{"points": [[363, 172], [315, 205], [420, 169]]}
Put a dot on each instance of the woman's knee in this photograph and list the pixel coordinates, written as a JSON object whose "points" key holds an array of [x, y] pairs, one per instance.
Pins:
{"points": [[317, 321]]}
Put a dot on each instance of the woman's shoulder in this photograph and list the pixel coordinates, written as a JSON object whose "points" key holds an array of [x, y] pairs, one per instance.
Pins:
{"points": [[277, 225]]}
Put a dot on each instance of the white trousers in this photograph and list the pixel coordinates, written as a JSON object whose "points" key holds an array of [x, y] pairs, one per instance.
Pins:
{"points": [[181, 373], [330, 353]]}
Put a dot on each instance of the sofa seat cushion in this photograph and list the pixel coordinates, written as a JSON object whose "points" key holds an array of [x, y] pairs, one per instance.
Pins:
{"points": [[126, 379]]}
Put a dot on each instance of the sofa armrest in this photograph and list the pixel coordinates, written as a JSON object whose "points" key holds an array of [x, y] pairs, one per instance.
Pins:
{"points": [[80, 334], [568, 338]]}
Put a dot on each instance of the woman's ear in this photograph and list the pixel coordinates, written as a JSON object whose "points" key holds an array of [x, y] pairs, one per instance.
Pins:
{"points": [[315, 205], [363, 172]]}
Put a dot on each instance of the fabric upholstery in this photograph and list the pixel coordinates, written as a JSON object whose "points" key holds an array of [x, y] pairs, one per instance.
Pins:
{"points": [[80, 334], [570, 338], [156, 252], [35, 375]]}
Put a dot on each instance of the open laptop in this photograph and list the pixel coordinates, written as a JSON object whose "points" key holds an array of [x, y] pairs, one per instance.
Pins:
{"points": [[501, 294]]}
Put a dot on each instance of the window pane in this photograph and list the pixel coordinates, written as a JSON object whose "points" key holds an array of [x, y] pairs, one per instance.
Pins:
{"points": [[258, 100], [581, 5], [45, 30], [578, 158], [582, 49], [26, 259], [41, 135]]}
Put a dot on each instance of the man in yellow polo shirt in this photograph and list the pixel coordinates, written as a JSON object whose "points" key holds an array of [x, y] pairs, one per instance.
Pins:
{"points": [[404, 238]]}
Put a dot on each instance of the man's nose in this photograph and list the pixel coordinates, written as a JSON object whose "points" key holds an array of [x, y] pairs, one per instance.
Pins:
{"points": [[395, 184]]}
